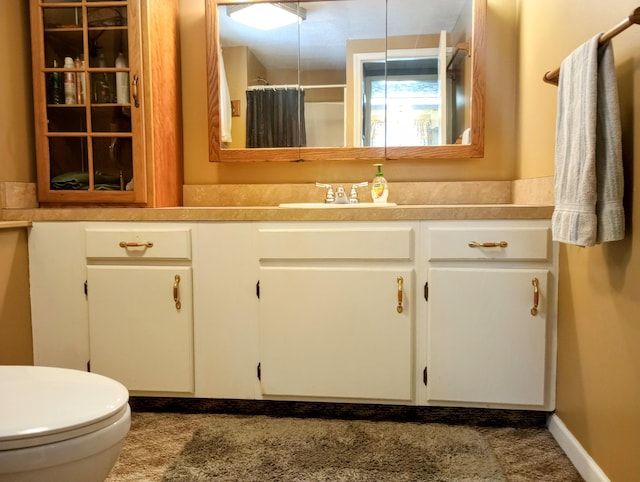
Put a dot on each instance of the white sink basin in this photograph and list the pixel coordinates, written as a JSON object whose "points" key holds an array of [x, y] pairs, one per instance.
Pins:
{"points": [[334, 206]]}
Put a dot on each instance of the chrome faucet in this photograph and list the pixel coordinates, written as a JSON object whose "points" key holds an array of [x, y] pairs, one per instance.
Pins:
{"points": [[339, 196]]}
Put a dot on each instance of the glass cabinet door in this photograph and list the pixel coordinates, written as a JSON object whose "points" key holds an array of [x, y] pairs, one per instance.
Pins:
{"points": [[93, 113]]}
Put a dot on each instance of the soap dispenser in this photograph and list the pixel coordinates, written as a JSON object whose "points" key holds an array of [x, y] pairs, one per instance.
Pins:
{"points": [[379, 187]]}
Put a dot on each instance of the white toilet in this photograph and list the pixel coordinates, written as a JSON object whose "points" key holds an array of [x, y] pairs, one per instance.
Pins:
{"points": [[60, 425]]}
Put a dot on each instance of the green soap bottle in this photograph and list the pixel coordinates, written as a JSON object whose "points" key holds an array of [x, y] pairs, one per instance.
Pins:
{"points": [[379, 187], [54, 91]]}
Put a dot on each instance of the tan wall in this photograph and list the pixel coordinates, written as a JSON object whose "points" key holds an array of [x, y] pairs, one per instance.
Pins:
{"points": [[599, 331], [17, 161], [498, 163], [15, 313], [236, 64], [17, 164], [599, 298]]}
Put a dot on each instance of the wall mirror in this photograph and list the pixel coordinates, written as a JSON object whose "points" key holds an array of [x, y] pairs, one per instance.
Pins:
{"points": [[346, 79]]}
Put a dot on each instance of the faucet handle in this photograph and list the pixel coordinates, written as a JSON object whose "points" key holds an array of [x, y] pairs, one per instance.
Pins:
{"points": [[330, 198], [353, 195]]}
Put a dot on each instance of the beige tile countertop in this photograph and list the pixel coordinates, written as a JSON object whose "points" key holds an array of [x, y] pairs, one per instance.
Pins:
{"points": [[274, 213], [524, 199]]}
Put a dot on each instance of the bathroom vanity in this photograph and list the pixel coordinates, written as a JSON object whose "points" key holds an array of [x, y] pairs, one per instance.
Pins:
{"points": [[298, 306]]}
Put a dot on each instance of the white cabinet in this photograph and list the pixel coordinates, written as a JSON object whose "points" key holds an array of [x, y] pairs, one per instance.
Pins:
{"points": [[491, 316], [484, 344], [336, 316], [139, 281], [226, 311], [57, 272], [327, 311], [138, 335]]}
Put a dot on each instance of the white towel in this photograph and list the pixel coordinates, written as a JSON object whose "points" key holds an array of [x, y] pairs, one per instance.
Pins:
{"points": [[225, 104], [588, 184]]}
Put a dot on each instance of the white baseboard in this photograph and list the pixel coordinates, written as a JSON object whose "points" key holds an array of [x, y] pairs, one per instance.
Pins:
{"points": [[586, 466]]}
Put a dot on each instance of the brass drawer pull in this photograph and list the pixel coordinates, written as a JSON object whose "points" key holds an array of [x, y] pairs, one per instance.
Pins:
{"points": [[176, 292], [146, 244], [476, 244], [536, 296], [400, 281]]}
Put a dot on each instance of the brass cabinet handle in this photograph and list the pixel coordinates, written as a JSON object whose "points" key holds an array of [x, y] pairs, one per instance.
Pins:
{"points": [[133, 244], [400, 281], [476, 244], [176, 291], [134, 90], [536, 296]]}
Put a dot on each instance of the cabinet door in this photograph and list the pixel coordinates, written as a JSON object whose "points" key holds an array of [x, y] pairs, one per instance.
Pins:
{"points": [[226, 309], [137, 333], [57, 272], [336, 332], [87, 66], [484, 343]]}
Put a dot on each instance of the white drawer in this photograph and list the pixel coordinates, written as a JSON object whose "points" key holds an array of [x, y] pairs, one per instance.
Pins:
{"points": [[334, 243], [499, 243], [138, 243]]}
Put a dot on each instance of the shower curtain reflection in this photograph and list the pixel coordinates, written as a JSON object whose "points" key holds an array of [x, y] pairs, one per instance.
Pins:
{"points": [[275, 117]]}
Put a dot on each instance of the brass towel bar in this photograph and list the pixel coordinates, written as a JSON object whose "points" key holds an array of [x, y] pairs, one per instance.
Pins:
{"points": [[632, 19]]}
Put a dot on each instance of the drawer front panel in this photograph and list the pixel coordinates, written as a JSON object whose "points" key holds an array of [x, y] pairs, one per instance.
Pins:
{"points": [[365, 243], [138, 243], [489, 243]]}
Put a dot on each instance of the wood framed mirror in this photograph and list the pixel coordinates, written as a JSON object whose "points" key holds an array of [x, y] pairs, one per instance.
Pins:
{"points": [[416, 67]]}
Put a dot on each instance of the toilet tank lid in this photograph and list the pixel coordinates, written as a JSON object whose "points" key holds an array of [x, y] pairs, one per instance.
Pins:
{"points": [[37, 401]]}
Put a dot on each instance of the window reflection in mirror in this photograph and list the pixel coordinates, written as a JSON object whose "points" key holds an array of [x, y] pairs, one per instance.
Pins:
{"points": [[407, 93], [395, 75], [428, 92]]}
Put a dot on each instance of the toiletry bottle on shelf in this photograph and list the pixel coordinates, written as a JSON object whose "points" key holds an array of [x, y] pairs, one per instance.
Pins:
{"points": [[101, 85], [80, 95], [122, 80], [379, 187], [78, 63], [55, 86], [69, 83]]}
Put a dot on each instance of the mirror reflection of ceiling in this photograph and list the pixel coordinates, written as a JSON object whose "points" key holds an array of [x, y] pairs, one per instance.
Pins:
{"points": [[327, 28]]}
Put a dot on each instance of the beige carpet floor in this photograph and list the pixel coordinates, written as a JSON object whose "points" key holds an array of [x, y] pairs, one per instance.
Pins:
{"points": [[156, 440]]}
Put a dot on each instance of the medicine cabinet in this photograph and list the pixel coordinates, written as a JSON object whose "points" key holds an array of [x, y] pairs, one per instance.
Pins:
{"points": [[394, 79], [98, 135]]}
